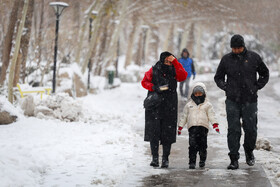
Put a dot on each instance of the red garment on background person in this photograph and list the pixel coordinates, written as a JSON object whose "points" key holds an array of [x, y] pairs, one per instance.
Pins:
{"points": [[181, 75]]}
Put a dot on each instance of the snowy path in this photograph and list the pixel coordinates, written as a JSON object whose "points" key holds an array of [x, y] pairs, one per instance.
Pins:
{"points": [[264, 173]]}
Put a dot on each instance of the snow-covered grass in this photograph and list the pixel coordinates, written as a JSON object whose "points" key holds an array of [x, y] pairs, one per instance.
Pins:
{"points": [[38, 152]]}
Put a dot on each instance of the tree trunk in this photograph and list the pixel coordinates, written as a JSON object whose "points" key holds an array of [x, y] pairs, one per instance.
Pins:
{"points": [[17, 69], [96, 23], [113, 45], [139, 52], [8, 41], [14, 59], [191, 41], [25, 41], [82, 32], [131, 41]]}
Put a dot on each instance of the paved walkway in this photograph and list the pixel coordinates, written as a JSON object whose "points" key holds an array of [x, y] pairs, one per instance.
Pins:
{"points": [[215, 173]]}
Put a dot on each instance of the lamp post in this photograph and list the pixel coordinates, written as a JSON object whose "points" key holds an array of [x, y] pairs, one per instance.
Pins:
{"points": [[145, 29], [58, 8], [116, 22], [92, 17]]}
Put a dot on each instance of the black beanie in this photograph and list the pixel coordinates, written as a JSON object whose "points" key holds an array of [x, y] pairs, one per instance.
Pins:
{"points": [[237, 41], [163, 55]]}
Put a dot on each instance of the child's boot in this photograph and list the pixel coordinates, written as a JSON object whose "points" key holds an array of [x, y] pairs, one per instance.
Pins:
{"points": [[192, 161], [203, 156]]}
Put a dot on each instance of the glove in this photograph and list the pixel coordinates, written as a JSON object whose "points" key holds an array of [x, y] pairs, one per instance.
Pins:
{"points": [[216, 127], [156, 89], [179, 130]]}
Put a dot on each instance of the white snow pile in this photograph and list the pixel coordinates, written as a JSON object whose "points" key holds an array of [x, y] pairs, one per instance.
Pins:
{"points": [[5, 105], [60, 106], [263, 143]]}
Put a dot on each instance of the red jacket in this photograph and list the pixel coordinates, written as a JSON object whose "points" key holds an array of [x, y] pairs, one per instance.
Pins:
{"points": [[181, 75]]}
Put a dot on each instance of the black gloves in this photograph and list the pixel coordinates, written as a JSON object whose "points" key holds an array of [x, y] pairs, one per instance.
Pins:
{"points": [[156, 89]]}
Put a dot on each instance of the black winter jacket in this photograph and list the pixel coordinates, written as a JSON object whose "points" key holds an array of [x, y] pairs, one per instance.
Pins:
{"points": [[241, 76]]}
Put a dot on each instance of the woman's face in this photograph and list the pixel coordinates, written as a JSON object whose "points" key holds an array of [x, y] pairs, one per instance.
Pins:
{"points": [[167, 62]]}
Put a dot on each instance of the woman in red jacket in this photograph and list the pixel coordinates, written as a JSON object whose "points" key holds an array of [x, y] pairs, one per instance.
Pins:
{"points": [[161, 122]]}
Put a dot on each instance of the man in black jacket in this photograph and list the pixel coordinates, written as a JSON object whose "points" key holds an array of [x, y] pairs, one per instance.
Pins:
{"points": [[241, 74]]}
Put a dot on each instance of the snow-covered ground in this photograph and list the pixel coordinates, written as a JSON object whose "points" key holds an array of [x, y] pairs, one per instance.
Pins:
{"points": [[37, 152], [104, 150]]}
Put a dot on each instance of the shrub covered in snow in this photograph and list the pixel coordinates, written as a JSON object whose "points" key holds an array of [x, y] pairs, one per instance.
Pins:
{"points": [[60, 106], [8, 113]]}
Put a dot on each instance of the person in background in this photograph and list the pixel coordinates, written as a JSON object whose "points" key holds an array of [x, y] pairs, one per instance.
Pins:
{"points": [[197, 114], [188, 65], [161, 122], [241, 73]]}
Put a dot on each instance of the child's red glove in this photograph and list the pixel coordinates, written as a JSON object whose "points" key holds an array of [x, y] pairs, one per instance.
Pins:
{"points": [[216, 127], [179, 130]]}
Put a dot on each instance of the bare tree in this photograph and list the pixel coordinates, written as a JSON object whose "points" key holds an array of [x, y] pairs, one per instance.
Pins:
{"points": [[24, 44], [8, 41], [15, 56]]}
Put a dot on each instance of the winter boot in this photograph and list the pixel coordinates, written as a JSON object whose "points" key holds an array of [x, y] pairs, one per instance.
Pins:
{"points": [[233, 163], [201, 164], [250, 158], [191, 165], [192, 161], [203, 156], [165, 162], [154, 162]]}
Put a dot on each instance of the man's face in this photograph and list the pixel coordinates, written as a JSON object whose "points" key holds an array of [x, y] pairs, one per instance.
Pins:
{"points": [[185, 54], [237, 50]]}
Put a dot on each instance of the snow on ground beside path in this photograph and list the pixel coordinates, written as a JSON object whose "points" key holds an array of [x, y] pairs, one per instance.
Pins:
{"points": [[36, 152]]}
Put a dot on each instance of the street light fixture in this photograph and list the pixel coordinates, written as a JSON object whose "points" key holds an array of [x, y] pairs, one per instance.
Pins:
{"points": [[91, 18], [58, 8], [145, 29]]}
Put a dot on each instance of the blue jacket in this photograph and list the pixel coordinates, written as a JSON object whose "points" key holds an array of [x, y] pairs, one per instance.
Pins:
{"points": [[187, 64]]}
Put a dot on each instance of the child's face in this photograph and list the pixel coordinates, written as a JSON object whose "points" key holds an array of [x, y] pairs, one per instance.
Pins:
{"points": [[196, 94]]}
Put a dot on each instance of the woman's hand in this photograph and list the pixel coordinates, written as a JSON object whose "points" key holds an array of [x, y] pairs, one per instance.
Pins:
{"points": [[170, 58]]}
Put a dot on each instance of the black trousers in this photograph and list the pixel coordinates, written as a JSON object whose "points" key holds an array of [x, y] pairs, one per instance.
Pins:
{"points": [[197, 143], [248, 113], [165, 149]]}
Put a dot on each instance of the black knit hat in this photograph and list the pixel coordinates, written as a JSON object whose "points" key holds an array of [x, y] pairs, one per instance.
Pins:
{"points": [[237, 41], [163, 55]]}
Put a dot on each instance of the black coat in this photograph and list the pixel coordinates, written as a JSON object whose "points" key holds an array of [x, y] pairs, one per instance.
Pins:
{"points": [[161, 123], [241, 84]]}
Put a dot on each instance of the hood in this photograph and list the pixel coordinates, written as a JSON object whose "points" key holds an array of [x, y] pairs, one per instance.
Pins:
{"points": [[200, 84], [163, 55]]}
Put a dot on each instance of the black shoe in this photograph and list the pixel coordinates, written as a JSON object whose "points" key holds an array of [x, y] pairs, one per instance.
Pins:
{"points": [[154, 162], [233, 165], [164, 163], [250, 158], [192, 166], [201, 164]]}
